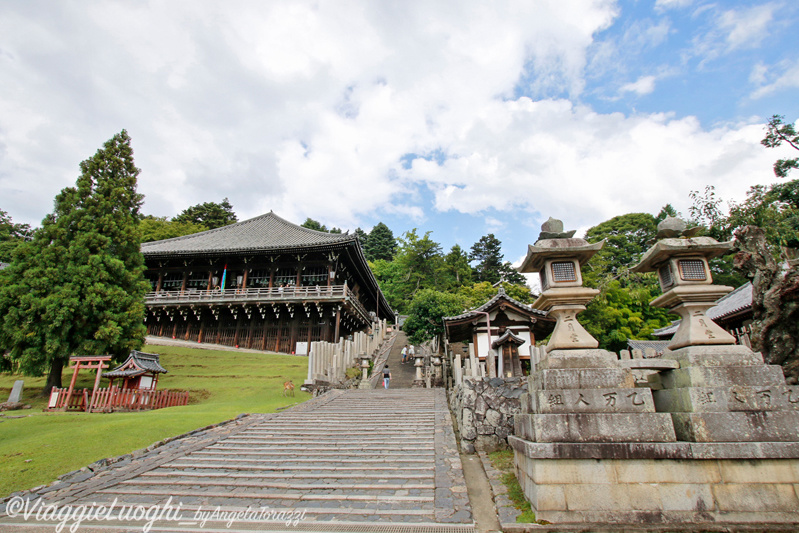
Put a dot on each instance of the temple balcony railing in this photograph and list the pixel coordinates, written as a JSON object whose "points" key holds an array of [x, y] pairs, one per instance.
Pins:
{"points": [[310, 293]]}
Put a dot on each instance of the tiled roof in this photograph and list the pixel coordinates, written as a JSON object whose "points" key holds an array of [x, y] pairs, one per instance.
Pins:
{"points": [[501, 295], [141, 363], [265, 232], [738, 300]]}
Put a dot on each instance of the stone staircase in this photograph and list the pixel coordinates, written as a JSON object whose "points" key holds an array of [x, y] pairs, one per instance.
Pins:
{"points": [[402, 376], [358, 460]]}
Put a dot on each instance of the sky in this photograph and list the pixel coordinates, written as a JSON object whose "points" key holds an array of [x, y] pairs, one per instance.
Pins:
{"points": [[462, 118]]}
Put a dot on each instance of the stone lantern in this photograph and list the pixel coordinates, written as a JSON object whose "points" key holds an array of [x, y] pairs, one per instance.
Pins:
{"points": [[558, 257], [364, 384], [681, 261]]}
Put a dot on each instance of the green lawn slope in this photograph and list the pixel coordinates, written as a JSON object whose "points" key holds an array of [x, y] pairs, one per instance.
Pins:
{"points": [[36, 449]]}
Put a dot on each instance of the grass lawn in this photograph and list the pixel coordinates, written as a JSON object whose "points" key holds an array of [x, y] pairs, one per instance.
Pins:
{"points": [[36, 449]]}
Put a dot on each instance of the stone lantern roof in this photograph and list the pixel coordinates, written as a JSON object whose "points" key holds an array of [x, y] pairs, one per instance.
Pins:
{"points": [[554, 243]]}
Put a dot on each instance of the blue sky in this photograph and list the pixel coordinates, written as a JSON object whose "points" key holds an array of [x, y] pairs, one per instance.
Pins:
{"points": [[460, 117]]}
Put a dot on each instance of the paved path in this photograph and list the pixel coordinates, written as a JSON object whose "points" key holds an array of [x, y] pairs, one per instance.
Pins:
{"points": [[402, 376], [358, 460]]}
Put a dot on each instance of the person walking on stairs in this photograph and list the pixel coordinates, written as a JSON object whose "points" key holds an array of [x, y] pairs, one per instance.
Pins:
{"points": [[404, 354], [386, 376]]}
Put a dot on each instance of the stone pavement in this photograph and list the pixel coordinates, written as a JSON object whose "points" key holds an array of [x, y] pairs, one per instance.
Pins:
{"points": [[402, 376], [357, 460]]}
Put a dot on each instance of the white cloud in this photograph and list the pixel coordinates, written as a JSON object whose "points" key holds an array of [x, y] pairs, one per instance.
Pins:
{"points": [[307, 108], [662, 5], [300, 107], [732, 30], [771, 80], [578, 165], [746, 28], [643, 85]]}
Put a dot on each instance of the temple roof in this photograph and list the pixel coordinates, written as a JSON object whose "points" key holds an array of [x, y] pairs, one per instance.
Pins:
{"points": [[265, 232], [500, 295], [737, 302], [136, 364], [460, 327]]}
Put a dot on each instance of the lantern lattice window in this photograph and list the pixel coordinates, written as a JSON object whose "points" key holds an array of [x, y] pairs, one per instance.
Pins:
{"points": [[692, 270], [563, 271]]}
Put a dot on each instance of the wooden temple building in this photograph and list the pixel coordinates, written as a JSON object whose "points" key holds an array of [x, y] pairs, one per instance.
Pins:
{"points": [[514, 328], [263, 283], [139, 371]]}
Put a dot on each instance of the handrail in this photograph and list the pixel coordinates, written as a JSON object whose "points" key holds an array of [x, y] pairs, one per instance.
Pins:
{"points": [[315, 292]]}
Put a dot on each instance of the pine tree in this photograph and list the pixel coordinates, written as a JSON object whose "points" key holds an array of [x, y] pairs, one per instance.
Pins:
{"points": [[487, 253], [210, 214], [78, 288], [363, 237], [381, 243]]}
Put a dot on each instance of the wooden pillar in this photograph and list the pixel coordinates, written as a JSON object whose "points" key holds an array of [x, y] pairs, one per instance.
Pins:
{"points": [[244, 281], [210, 280], [271, 276], [338, 325], [329, 275], [72, 383], [160, 282], [299, 275], [238, 329], [202, 324], [183, 283], [96, 384]]}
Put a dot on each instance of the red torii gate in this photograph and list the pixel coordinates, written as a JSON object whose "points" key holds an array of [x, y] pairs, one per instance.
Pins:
{"points": [[90, 362]]}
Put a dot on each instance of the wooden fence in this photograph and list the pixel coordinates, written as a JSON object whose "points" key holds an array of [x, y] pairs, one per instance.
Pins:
{"points": [[116, 399]]}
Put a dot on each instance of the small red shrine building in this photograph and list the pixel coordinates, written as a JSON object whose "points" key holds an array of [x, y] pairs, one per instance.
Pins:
{"points": [[139, 371]]}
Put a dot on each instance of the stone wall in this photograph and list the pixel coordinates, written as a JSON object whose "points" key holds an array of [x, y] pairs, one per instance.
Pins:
{"points": [[484, 409]]}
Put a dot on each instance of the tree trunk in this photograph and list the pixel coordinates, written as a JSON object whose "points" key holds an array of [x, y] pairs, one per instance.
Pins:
{"points": [[775, 301], [54, 377]]}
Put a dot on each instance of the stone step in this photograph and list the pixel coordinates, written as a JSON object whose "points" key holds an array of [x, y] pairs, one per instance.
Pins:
{"points": [[352, 449], [240, 450], [393, 463], [350, 433], [312, 513], [316, 468], [163, 472], [372, 441], [283, 495], [338, 485]]}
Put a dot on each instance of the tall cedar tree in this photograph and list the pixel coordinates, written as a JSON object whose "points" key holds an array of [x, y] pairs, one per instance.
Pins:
{"points": [[210, 214], [78, 288], [490, 267], [381, 243], [363, 237]]}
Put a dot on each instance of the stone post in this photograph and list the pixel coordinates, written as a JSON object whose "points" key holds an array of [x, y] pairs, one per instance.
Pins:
{"points": [[364, 384], [419, 364], [311, 357]]}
